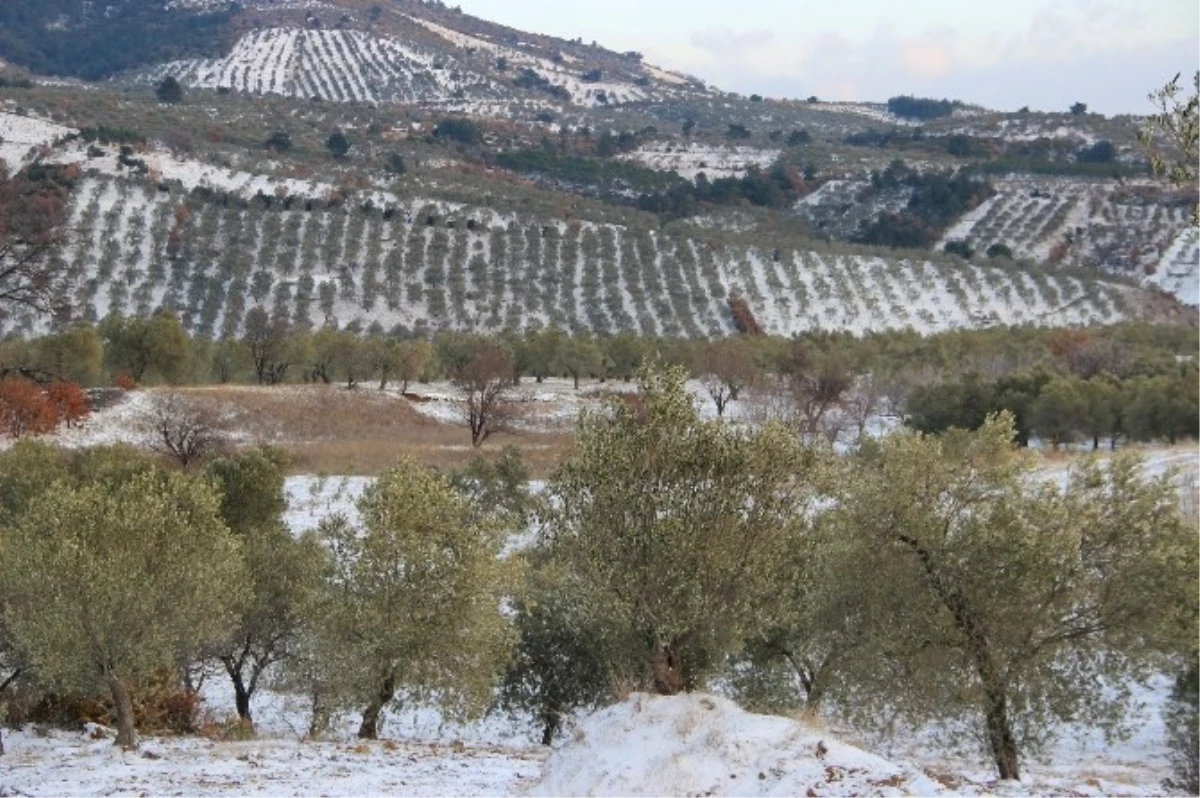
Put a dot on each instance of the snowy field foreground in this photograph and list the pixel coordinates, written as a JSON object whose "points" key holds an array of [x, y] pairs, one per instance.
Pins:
{"points": [[684, 745]]}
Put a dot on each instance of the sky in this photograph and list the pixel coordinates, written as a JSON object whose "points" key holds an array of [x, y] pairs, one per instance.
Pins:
{"points": [[1045, 54]]}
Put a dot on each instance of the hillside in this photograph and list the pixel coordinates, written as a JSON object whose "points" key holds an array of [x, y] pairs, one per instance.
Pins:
{"points": [[496, 179]]}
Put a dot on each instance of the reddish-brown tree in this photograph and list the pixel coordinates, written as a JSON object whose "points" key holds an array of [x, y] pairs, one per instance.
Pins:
{"points": [[25, 409]]}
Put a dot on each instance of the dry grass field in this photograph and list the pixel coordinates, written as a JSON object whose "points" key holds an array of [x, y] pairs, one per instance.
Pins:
{"points": [[329, 430]]}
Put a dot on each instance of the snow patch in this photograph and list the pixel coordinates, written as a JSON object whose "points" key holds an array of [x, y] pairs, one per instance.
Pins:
{"points": [[704, 745]]}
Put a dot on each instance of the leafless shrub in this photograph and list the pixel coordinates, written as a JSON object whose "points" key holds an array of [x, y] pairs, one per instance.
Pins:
{"points": [[485, 380], [182, 428]]}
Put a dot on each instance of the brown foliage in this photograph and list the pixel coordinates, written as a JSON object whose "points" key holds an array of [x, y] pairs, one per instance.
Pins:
{"points": [[32, 213], [70, 403], [743, 317], [25, 409]]}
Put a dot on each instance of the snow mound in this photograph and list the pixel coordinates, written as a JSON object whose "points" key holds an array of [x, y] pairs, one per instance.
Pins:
{"points": [[704, 745]]}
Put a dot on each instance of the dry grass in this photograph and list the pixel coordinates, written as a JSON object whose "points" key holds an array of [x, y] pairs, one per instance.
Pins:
{"points": [[329, 430]]}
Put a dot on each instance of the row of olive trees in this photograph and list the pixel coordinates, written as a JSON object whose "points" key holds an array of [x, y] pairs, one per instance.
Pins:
{"points": [[114, 568], [934, 579], [931, 576]]}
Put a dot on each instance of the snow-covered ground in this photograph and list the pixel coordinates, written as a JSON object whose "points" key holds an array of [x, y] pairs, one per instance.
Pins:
{"points": [[688, 159], [705, 745], [685, 745], [66, 763], [21, 136]]}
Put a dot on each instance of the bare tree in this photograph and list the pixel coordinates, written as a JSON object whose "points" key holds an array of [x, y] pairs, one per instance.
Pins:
{"points": [[181, 427], [816, 391], [31, 218], [266, 338], [485, 380]]}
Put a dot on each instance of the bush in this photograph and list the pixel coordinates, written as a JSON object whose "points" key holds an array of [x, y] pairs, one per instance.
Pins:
{"points": [[921, 107], [1183, 733], [464, 131]]}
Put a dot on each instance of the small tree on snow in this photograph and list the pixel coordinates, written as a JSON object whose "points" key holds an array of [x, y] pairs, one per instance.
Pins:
{"points": [[181, 427], [675, 529], [485, 382], [413, 601], [283, 571]]}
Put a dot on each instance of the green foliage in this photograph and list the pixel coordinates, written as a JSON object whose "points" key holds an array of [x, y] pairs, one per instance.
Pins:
{"points": [[1177, 123], [911, 107], [981, 595], [497, 488], [66, 37], [1102, 151], [107, 582], [169, 90], [674, 529], [337, 144], [935, 199], [463, 131], [413, 599], [561, 663], [284, 571]]}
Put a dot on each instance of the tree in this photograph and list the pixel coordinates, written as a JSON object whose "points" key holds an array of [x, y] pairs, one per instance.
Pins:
{"points": [[279, 141], [977, 592], [413, 602], [25, 409], [395, 163], [181, 427], [283, 571], [580, 356], [32, 215], [169, 90], [1078, 109], [999, 250], [485, 382], [1177, 122], [337, 144], [1060, 410], [674, 529], [76, 354], [107, 582], [266, 338], [727, 367], [138, 346], [560, 663]]}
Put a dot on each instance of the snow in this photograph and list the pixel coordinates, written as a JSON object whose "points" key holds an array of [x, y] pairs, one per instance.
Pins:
{"points": [[700, 744], [311, 499], [20, 135], [65, 763], [689, 159]]}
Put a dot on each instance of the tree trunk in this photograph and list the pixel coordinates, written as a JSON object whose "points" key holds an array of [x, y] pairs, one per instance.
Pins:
{"points": [[369, 728], [1000, 736], [666, 661], [550, 724], [241, 699], [126, 734]]}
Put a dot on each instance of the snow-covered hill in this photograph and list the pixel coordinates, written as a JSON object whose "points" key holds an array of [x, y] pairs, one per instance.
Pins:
{"points": [[433, 264], [420, 61], [1128, 228]]}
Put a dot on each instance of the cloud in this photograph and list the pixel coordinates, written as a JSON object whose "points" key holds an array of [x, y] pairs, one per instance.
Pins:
{"points": [[925, 60], [725, 42]]}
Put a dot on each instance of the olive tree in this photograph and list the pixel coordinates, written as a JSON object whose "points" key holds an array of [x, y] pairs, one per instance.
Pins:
{"points": [[282, 570], [106, 582], [1176, 124], [676, 527], [975, 591], [413, 601]]}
